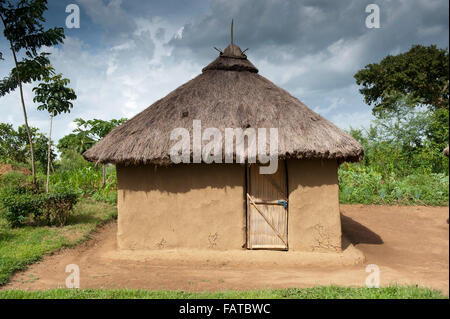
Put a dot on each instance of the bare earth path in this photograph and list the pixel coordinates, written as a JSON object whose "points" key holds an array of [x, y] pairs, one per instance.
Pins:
{"points": [[410, 245]]}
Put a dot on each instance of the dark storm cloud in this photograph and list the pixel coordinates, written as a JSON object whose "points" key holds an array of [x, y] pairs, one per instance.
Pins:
{"points": [[288, 33], [110, 15], [304, 25]]}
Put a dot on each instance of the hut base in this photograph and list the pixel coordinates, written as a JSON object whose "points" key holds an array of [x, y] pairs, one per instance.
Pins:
{"points": [[347, 257]]}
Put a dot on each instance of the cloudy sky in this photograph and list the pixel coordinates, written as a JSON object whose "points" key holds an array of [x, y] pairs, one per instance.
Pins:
{"points": [[129, 53]]}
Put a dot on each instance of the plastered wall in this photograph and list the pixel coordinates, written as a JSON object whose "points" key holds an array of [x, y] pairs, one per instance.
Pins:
{"points": [[314, 219], [181, 206]]}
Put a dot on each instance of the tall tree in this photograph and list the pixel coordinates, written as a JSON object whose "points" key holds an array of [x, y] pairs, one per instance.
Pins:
{"points": [[421, 78], [55, 97], [14, 144], [78, 143], [97, 129], [23, 29], [422, 74]]}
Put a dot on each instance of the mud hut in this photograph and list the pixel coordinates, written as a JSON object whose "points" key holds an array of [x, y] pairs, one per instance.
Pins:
{"points": [[228, 205]]}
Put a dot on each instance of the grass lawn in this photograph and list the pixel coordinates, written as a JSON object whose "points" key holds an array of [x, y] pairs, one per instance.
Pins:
{"points": [[330, 292], [22, 246]]}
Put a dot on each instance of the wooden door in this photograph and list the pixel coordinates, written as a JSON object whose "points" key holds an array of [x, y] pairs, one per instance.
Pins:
{"points": [[267, 209]]}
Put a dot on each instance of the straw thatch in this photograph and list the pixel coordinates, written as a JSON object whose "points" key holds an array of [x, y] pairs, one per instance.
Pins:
{"points": [[446, 151], [228, 94]]}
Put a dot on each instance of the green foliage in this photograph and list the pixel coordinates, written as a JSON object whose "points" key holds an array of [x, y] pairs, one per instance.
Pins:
{"points": [[79, 143], [422, 73], [20, 203], [360, 184], [75, 173], [14, 145], [56, 206], [12, 178], [86, 134], [30, 70], [54, 95], [401, 165], [23, 28], [41, 150], [96, 128], [79, 174], [400, 142], [23, 23], [403, 161], [323, 292]]}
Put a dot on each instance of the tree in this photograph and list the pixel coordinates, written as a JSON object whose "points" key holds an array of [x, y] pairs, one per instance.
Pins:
{"points": [[97, 129], [55, 97], [14, 144], [416, 79], [79, 143], [422, 73], [402, 127], [23, 29]]}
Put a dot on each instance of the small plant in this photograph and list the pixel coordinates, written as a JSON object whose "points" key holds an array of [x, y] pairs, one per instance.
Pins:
{"points": [[22, 203], [12, 178], [57, 206], [18, 204]]}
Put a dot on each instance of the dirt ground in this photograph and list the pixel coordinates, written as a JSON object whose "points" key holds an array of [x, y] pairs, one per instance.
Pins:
{"points": [[5, 168], [410, 245]]}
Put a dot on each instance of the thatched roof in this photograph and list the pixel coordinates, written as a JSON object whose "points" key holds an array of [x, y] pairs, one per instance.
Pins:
{"points": [[228, 94], [446, 151]]}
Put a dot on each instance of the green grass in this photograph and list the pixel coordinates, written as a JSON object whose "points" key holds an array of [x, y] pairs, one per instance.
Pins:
{"points": [[330, 292], [363, 185], [20, 247]]}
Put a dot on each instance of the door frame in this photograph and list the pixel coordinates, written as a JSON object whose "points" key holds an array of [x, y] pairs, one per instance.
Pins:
{"points": [[247, 203]]}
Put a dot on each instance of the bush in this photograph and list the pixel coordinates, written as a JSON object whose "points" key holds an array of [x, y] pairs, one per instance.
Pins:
{"points": [[12, 178], [18, 204], [87, 181], [359, 184], [21, 203], [57, 206]]}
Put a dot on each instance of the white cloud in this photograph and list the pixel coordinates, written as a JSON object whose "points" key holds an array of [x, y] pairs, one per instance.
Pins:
{"points": [[114, 83]]}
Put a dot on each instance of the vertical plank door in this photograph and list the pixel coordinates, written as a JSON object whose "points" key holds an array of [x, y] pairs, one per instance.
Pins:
{"points": [[267, 211]]}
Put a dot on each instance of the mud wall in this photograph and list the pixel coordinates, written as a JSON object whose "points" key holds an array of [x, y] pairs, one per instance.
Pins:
{"points": [[203, 206], [181, 206], [313, 218]]}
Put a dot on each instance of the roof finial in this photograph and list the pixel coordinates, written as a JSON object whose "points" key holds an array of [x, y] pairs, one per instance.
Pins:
{"points": [[232, 30]]}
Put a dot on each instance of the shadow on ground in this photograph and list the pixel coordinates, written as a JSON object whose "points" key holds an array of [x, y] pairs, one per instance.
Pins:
{"points": [[357, 233]]}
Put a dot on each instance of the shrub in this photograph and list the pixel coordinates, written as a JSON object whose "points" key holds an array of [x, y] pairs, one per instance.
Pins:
{"points": [[12, 178], [87, 181], [20, 203], [57, 206], [364, 185]]}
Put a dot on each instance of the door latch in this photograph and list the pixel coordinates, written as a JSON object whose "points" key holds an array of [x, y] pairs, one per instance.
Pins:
{"points": [[284, 203]]}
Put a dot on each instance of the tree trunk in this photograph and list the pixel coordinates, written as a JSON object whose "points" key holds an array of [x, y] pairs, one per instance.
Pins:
{"points": [[30, 138], [48, 153], [103, 175]]}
